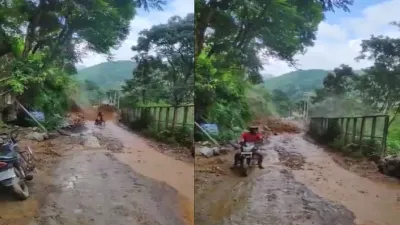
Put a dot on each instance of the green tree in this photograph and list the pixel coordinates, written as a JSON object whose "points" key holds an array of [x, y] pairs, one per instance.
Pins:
{"points": [[40, 40], [169, 75], [341, 81], [380, 85], [233, 37]]}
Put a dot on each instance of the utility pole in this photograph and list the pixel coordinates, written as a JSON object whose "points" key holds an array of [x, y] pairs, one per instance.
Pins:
{"points": [[307, 96]]}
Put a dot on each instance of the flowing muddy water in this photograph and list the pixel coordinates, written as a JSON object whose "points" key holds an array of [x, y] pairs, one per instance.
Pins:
{"points": [[302, 185], [372, 202], [153, 164]]}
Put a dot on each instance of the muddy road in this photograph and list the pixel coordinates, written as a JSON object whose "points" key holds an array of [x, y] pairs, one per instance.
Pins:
{"points": [[301, 184], [95, 188], [120, 180]]}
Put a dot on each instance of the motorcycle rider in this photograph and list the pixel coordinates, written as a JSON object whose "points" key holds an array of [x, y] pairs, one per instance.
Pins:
{"points": [[253, 136], [99, 118]]}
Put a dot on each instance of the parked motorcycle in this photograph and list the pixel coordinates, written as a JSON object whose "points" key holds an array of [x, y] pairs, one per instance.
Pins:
{"points": [[247, 160], [15, 164]]}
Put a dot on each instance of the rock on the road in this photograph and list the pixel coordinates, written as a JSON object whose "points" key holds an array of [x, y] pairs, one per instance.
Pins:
{"points": [[390, 166], [91, 141], [37, 136]]}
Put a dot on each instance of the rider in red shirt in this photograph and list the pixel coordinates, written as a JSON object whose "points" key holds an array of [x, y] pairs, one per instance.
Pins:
{"points": [[251, 136]]}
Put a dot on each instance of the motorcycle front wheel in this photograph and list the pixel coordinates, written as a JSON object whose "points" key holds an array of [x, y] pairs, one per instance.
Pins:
{"points": [[244, 169], [19, 186]]}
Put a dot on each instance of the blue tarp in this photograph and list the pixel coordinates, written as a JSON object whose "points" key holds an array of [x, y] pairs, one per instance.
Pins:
{"points": [[210, 128], [38, 115]]}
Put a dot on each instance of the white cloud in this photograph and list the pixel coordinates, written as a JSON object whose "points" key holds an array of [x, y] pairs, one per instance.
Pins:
{"points": [[340, 43], [144, 20]]}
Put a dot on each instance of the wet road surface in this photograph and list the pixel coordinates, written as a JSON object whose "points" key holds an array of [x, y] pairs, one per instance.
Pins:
{"points": [[95, 188], [301, 185], [155, 165], [373, 203]]}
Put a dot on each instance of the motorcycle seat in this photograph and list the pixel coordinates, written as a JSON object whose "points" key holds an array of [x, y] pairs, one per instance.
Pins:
{"points": [[5, 158]]}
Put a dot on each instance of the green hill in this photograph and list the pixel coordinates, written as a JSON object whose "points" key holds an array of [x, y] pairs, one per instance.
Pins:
{"points": [[108, 75], [295, 83]]}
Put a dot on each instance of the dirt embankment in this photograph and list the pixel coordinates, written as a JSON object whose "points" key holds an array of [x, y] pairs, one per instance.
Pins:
{"points": [[90, 113]]}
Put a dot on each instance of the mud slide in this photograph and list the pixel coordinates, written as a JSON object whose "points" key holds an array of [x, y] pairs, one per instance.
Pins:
{"points": [[90, 113], [155, 165], [301, 184]]}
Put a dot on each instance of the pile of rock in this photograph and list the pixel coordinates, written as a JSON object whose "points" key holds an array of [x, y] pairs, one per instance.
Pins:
{"points": [[38, 136], [208, 150], [390, 166], [76, 120]]}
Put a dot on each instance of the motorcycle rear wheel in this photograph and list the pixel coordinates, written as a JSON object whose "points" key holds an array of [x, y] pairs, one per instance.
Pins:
{"points": [[19, 186]]}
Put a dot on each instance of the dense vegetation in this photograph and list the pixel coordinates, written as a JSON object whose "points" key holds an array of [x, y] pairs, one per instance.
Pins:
{"points": [[295, 83], [164, 74], [231, 36], [41, 41], [374, 91]]}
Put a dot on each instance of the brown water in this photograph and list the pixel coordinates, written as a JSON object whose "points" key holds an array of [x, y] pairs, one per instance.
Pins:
{"points": [[301, 184], [145, 160], [372, 202]]}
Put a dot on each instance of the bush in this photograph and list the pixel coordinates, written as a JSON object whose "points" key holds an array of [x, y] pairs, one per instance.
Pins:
{"points": [[179, 135], [144, 122]]}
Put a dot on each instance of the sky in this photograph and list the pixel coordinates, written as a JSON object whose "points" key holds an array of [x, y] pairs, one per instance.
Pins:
{"points": [[143, 20], [338, 37], [340, 34]]}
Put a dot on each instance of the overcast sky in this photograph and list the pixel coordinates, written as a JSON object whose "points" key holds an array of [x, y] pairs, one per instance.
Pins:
{"points": [[338, 40], [143, 20], [339, 36]]}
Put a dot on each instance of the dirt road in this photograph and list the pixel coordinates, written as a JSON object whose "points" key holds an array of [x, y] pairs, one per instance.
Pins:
{"points": [[301, 184], [97, 186]]}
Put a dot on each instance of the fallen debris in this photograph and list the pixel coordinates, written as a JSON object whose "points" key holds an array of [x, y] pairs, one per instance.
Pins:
{"points": [[390, 166], [37, 136], [91, 141]]}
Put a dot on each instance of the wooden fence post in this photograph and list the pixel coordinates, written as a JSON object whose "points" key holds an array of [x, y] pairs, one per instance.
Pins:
{"points": [[159, 118], [341, 128], [174, 117], [185, 115], [167, 118], [362, 132], [354, 130], [346, 133], [384, 137], [373, 128]]}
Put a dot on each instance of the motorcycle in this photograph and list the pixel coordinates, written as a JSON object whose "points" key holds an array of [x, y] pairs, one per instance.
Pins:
{"points": [[247, 158], [15, 164], [99, 122]]}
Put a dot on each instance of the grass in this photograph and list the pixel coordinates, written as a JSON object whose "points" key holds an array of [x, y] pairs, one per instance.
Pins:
{"points": [[393, 138]]}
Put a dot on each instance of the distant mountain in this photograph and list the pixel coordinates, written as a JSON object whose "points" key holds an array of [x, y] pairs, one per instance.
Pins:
{"points": [[267, 76], [79, 67], [295, 83], [108, 75]]}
